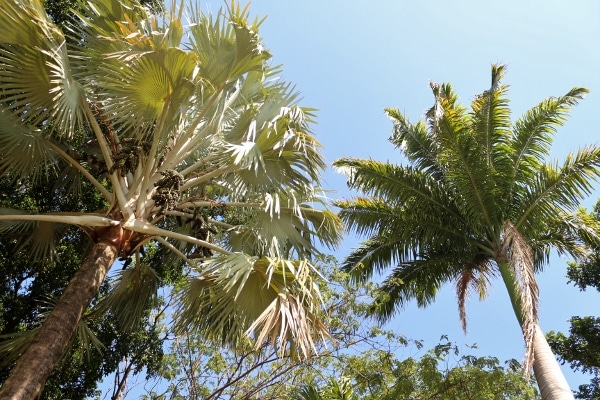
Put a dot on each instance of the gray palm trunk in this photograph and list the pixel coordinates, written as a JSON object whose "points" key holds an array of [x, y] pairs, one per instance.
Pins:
{"points": [[550, 378], [29, 374]]}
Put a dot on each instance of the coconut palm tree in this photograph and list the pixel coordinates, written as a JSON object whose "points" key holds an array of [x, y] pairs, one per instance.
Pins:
{"points": [[476, 199], [182, 126]]}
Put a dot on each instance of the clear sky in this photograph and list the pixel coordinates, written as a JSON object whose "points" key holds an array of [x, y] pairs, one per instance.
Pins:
{"points": [[351, 58]]}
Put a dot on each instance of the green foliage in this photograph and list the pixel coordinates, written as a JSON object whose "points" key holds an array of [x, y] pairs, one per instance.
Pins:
{"points": [[366, 362]]}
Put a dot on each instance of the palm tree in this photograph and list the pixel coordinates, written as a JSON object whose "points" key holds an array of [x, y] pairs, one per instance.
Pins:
{"points": [[477, 199], [182, 126]]}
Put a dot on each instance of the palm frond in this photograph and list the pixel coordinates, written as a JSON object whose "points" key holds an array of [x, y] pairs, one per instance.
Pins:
{"points": [[37, 82], [133, 292], [398, 185], [372, 256], [227, 49], [417, 279], [12, 345], [474, 277], [416, 143], [23, 151], [532, 133], [557, 188], [520, 260], [38, 238], [238, 295]]}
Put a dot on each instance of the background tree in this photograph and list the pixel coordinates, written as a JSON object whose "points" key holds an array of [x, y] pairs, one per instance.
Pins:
{"points": [[365, 362], [477, 199], [581, 349], [173, 134]]}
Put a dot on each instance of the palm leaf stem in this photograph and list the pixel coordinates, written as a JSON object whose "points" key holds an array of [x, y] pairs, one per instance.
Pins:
{"points": [[64, 218], [149, 165], [204, 203], [106, 154], [174, 249], [149, 229], [206, 177], [185, 138], [105, 193], [197, 164]]}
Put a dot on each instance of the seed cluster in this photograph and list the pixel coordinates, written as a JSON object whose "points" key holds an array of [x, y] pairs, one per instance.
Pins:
{"points": [[167, 190], [128, 157]]}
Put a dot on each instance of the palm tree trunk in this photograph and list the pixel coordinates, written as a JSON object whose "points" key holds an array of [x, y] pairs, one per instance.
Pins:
{"points": [[550, 379], [29, 374]]}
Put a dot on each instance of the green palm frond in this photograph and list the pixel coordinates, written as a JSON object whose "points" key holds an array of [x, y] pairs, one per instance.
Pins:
{"points": [[240, 295], [490, 118], [373, 256], [37, 237], [419, 279], [12, 345], [23, 151], [133, 292], [530, 143], [398, 184], [37, 81], [415, 142], [559, 188]]}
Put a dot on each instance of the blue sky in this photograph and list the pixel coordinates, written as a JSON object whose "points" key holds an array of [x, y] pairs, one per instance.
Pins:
{"points": [[351, 59]]}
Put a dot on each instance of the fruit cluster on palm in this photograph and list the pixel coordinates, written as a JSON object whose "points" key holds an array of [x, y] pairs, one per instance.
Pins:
{"points": [[477, 199], [184, 129]]}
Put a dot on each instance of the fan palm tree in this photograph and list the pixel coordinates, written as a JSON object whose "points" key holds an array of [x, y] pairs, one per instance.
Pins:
{"points": [[476, 199], [182, 126]]}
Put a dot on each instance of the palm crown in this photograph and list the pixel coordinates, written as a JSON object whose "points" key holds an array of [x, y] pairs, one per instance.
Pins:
{"points": [[476, 198], [192, 140]]}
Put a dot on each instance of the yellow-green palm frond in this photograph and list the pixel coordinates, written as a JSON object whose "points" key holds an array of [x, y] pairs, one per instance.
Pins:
{"points": [[37, 84], [227, 47], [530, 144], [415, 142], [239, 295], [23, 151], [558, 188]]}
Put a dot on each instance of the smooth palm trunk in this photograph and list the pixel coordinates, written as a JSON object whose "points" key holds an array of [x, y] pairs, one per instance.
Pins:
{"points": [[550, 379], [29, 374]]}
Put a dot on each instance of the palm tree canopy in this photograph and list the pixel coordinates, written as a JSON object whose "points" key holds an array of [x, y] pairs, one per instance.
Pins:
{"points": [[183, 126], [477, 192]]}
